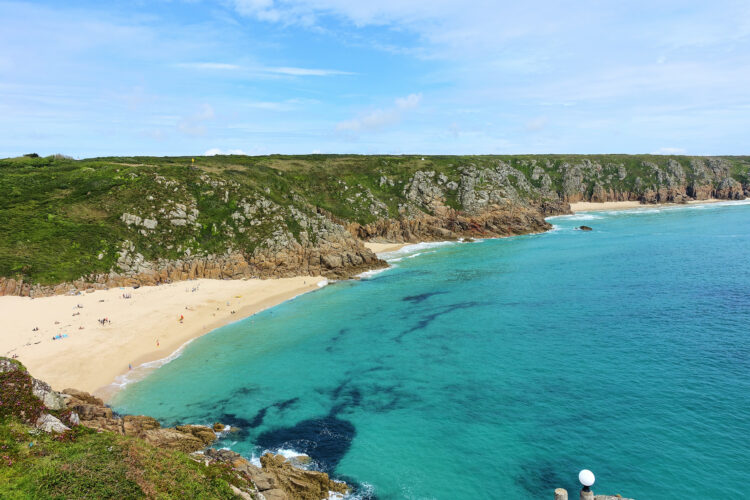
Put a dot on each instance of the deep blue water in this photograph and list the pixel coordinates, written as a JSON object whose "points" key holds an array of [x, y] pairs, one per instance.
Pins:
{"points": [[500, 368]]}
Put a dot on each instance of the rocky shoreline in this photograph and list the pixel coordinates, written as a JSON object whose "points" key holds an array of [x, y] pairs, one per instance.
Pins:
{"points": [[57, 412]]}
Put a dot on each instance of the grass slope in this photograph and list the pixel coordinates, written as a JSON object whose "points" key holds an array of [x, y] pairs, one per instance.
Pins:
{"points": [[60, 219]]}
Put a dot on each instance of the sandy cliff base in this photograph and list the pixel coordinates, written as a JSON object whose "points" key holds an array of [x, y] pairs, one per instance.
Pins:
{"points": [[144, 327]]}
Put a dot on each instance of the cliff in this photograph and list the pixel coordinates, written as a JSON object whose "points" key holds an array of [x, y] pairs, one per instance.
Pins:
{"points": [[87, 224], [70, 445]]}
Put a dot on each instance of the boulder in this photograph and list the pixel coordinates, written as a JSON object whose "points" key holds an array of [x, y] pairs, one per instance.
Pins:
{"points": [[84, 396], [52, 400], [173, 439], [48, 423], [585, 228], [276, 494], [205, 434], [137, 425], [299, 483]]}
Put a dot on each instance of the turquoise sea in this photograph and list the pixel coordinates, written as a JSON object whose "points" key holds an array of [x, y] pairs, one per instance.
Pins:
{"points": [[500, 368]]}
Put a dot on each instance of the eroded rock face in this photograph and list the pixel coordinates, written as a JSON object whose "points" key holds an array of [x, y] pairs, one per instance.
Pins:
{"points": [[278, 478], [298, 483], [450, 224], [477, 199], [91, 412]]}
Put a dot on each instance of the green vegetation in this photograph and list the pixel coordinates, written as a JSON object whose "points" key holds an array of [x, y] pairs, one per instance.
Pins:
{"points": [[61, 219], [83, 463]]}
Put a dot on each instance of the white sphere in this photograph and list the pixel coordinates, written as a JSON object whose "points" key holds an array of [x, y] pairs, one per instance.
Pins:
{"points": [[586, 477]]}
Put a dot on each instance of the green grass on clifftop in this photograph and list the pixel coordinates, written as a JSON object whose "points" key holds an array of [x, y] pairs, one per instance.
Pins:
{"points": [[61, 219], [84, 464]]}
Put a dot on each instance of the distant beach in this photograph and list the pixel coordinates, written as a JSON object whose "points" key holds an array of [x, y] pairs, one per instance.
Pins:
{"points": [[589, 206]]}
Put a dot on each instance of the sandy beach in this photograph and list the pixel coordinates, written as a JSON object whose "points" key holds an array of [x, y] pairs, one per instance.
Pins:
{"points": [[143, 325], [588, 206], [384, 247]]}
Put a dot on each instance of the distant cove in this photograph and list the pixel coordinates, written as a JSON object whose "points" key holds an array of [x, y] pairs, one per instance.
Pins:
{"points": [[500, 368]]}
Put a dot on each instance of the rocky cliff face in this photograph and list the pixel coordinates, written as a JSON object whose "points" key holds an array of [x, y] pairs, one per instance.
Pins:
{"points": [[311, 219], [32, 401], [677, 182]]}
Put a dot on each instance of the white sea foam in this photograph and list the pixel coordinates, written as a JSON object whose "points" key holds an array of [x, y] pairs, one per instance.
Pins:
{"points": [[409, 250], [369, 274], [322, 283], [582, 217], [141, 371], [288, 453]]}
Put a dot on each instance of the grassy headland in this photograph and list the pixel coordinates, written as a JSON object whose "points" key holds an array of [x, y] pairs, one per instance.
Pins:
{"points": [[62, 219]]}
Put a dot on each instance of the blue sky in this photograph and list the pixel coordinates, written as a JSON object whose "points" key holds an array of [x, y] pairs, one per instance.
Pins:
{"points": [[394, 76]]}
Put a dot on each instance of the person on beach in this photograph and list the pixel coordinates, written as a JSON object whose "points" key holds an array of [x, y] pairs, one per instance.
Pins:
{"points": [[181, 318], [157, 342]]}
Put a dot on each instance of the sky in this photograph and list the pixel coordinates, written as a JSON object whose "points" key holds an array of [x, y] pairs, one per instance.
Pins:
{"points": [[194, 77]]}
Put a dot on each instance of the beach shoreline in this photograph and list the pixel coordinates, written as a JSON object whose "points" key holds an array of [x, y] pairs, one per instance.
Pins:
{"points": [[150, 325], [108, 355], [144, 326], [592, 206]]}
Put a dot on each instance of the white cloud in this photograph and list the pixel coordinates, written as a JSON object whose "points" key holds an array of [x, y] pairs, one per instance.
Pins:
{"points": [[381, 118], [217, 151], [669, 151]]}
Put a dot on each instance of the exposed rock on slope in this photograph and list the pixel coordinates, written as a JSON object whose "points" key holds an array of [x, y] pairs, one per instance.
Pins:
{"points": [[26, 398], [156, 220]]}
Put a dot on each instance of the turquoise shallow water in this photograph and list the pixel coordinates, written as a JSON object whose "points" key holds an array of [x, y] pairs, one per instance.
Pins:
{"points": [[500, 368]]}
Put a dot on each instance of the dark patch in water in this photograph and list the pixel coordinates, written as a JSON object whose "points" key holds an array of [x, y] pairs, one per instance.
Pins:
{"points": [[257, 420], [425, 321], [283, 405], [540, 477], [416, 299], [336, 338], [325, 439], [246, 391]]}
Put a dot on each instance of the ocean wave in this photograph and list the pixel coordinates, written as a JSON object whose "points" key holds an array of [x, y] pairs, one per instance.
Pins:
{"points": [[582, 217], [369, 274], [322, 283], [408, 250], [142, 371]]}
